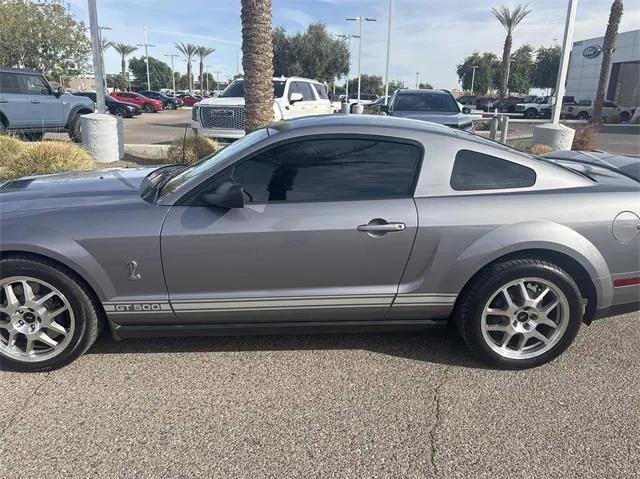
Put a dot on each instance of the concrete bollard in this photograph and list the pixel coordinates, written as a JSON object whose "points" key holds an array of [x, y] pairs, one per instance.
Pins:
{"points": [[358, 109], [504, 129], [346, 108], [558, 137], [101, 138], [494, 127]]}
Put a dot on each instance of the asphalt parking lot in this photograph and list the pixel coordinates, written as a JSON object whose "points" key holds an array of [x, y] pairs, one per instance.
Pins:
{"points": [[369, 405]]}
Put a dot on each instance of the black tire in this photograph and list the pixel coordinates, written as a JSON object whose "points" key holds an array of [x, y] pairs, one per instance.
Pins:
{"points": [[625, 116], [583, 115], [148, 107], [33, 135], [86, 312], [469, 311], [531, 113], [119, 111], [75, 129], [3, 128]]}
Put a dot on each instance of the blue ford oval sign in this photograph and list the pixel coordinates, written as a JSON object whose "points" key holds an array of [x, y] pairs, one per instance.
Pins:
{"points": [[592, 51]]}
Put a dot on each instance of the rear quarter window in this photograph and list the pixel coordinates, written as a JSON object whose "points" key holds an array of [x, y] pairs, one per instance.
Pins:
{"points": [[478, 171]]}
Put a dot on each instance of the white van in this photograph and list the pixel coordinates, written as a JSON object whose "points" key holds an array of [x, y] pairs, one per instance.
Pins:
{"points": [[223, 117]]}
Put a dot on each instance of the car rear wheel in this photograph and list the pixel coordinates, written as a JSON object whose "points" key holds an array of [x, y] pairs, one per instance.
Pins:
{"points": [[75, 129], [171, 106], [47, 318], [520, 314], [119, 111], [148, 107], [33, 135], [531, 113], [583, 115], [625, 116]]}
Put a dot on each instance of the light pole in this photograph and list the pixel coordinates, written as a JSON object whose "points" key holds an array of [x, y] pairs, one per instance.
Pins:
{"points": [[473, 76], [417, 80], [104, 71], [217, 74], [173, 74], [348, 38], [564, 59], [96, 48], [386, 70], [146, 46], [360, 20]]}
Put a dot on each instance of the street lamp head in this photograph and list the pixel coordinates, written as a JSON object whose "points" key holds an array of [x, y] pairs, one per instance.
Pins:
{"points": [[353, 19], [369, 19]]}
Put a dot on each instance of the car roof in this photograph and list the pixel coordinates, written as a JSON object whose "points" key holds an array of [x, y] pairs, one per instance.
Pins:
{"points": [[424, 90], [25, 71]]}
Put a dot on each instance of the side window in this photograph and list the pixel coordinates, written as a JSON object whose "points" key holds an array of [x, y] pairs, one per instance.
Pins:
{"points": [[35, 85], [477, 171], [305, 89], [335, 169], [609, 104], [10, 83], [293, 88], [321, 91]]}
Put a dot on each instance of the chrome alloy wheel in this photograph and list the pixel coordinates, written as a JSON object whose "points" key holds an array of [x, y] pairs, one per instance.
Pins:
{"points": [[525, 318], [36, 319]]}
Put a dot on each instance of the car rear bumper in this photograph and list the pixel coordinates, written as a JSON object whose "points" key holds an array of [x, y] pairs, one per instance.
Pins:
{"points": [[216, 132]]}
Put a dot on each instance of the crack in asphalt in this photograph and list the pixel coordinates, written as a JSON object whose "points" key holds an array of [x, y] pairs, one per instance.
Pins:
{"points": [[436, 423], [26, 400]]}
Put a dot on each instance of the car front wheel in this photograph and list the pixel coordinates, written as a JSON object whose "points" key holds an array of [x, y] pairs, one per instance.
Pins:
{"points": [[520, 314], [531, 113], [148, 107], [47, 318]]}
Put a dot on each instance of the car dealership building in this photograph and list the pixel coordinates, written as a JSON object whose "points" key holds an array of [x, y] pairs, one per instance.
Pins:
{"points": [[624, 78]]}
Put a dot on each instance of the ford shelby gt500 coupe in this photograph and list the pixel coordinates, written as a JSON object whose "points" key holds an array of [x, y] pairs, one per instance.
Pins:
{"points": [[322, 224]]}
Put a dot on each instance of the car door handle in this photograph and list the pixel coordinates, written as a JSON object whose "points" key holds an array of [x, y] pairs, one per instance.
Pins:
{"points": [[35, 101], [382, 227]]}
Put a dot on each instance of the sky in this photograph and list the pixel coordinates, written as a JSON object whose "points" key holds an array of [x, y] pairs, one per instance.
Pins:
{"points": [[428, 36]]}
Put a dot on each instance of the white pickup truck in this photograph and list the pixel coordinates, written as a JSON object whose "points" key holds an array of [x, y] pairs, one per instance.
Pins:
{"points": [[533, 109], [583, 110]]}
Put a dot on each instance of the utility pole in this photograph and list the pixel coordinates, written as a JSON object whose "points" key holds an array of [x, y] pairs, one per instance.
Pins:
{"points": [[360, 20], [217, 74], [348, 38], [104, 71], [146, 46], [386, 70], [564, 59], [96, 49], [417, 80], [473, 76], [173, 74]]}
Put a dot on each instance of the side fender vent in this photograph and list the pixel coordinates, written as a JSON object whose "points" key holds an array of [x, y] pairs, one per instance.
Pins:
{"points": [[15, 185]]}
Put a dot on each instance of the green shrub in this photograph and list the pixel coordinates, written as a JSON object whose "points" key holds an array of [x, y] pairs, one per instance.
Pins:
{"points": [[46, 157], [192, 149], [9, 149]]}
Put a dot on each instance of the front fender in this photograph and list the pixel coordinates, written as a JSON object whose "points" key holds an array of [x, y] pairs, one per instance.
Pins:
{"points": [[544, 235]]}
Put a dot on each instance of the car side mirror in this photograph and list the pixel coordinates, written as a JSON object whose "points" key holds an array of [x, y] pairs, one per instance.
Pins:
{"points": [[58, 92], [466, 110], [383, 109], [228, 195], [295, 97]]}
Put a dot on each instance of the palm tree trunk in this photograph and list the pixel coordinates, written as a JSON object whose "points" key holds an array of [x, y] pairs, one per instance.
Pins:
{"points": [[608, 46], [257, 62], [201, 77], [189, 77], [123, 64], [506, 65]]}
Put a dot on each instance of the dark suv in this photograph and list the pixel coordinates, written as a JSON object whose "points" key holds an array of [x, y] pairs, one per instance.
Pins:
{"points": [[30, 106], [168, 102], [115, 107]]}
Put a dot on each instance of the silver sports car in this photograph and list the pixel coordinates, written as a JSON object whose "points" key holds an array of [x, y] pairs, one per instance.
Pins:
{"points": [[322, 224]]}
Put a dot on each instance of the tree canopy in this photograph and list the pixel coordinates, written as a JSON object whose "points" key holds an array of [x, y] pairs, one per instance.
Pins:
{"points": [[487, 76], [312, 54], [159, 73], [43, 37], [547, 64], [521, 70]]}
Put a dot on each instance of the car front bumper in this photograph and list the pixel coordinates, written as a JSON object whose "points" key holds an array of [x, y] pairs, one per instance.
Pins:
{"points": [[216, 132]]}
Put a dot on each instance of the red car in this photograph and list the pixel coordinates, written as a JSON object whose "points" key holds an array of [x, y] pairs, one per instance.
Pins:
{"points": [[190, 100], [147, 104]]}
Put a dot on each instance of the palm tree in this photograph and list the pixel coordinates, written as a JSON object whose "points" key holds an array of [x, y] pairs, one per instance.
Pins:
{"points": [[257, 62], [203, 52], [509, 20], [189, 51], [124, 49], [608, 46]]}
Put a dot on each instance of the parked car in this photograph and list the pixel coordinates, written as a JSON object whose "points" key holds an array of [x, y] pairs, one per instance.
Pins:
{"points": [[436, 106], [532, 110], [334, 223], [482, 103], [294, 97], [583, 110], [115, 107], [336, 102], [168, 102], [547, 111], [148, 105], [375, 107], [508, 105], [29, 106], [365, 99], [467, 100], [188, 99]]}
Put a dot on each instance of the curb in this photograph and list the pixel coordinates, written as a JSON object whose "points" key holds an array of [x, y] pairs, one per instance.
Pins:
{"points": [[147, 151]]}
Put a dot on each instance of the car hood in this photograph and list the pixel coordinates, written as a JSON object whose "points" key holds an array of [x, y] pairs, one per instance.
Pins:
{"points": [[230, 101], [456, 120], [73, 189]]}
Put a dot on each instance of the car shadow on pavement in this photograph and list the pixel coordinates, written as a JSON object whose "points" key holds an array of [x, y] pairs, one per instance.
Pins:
{"points": [[438, 345]]}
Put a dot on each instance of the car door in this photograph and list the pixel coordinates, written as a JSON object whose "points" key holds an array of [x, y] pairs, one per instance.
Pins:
{"points": [[323, 103], [609, 109], [325, 234], [14, 102], [45, 109]]}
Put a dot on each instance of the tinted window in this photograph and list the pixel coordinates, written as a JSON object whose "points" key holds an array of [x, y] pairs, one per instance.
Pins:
{"points": [[609, 104], [426, 102], [236, 89], [477, 171], [305, 89], [321, 91], [35, 85], [10, 83], [329, 170]]}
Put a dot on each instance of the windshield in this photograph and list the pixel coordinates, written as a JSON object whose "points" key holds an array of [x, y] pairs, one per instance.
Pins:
{"points": [[236, 89], [426, 102], [204, 167]]}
